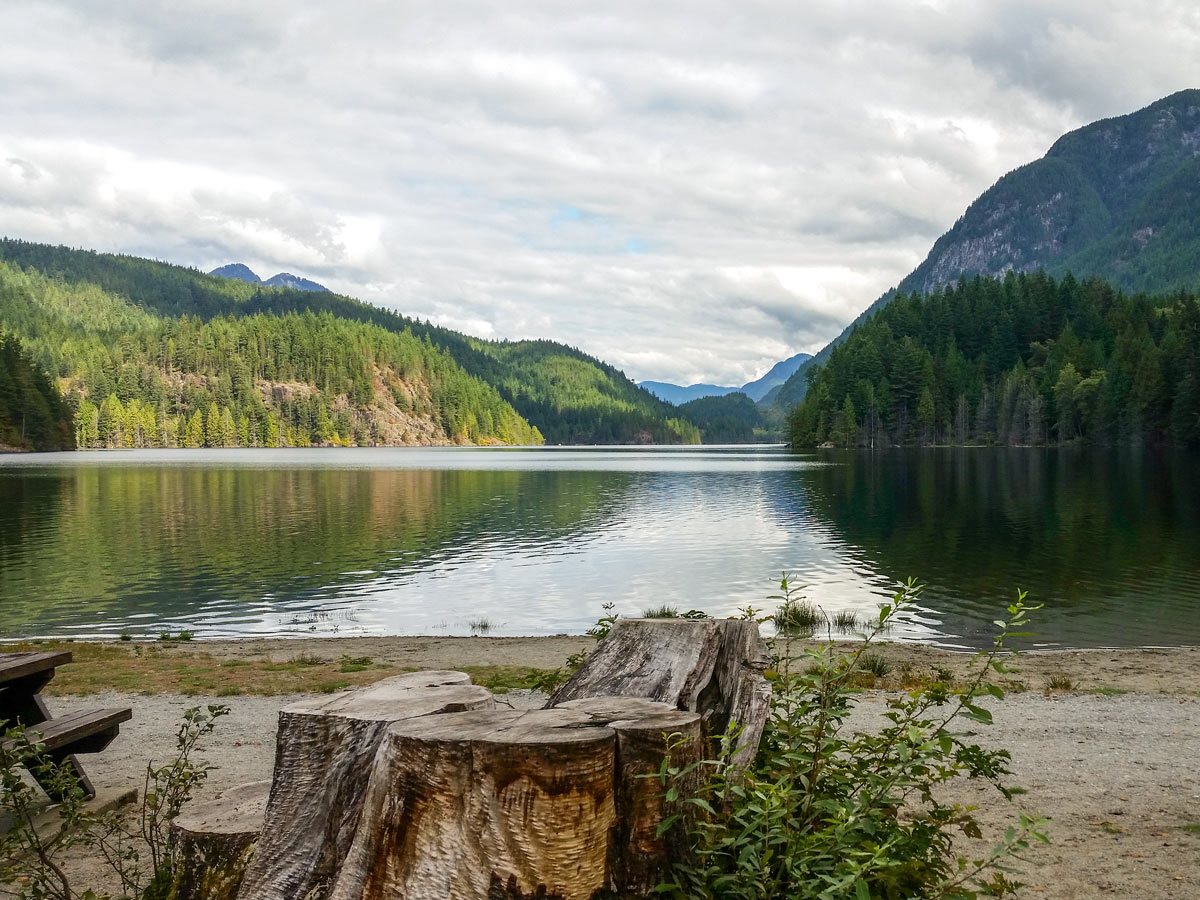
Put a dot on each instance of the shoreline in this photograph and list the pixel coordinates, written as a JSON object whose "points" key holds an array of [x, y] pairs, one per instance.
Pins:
{"points": [[1110, 762], [282, 665]]}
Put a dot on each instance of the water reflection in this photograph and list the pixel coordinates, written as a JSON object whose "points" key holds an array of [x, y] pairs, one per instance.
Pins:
{"points": [[535, 541], [262, 549], [1106, 540]]}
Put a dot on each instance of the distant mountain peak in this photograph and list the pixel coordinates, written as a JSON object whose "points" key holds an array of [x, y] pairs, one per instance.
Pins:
{"points": [[755, 390], [677, 394], [288, 280], [237, 270], [282, 280]]}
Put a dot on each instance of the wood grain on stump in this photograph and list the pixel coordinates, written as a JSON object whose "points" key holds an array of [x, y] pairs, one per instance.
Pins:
{"points": [[508, 804], [325, 751], [710, 666], [216, 840], [647, 733]]}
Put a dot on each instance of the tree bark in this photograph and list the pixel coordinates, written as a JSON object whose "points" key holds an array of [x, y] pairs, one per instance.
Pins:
{"points": [[710, 666], [216, 840], [324, 753], [648, 733]]}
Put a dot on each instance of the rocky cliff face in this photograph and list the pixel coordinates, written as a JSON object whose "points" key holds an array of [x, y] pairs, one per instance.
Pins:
{"points": [[1119, 199], [1096, 186]]}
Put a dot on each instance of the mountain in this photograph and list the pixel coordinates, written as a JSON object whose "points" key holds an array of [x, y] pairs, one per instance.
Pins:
{"points": [[755, 390], [778, 374], [127, 304], [282, 280], [237, 270], [677, 395], [1119, 199], [295, 282]]}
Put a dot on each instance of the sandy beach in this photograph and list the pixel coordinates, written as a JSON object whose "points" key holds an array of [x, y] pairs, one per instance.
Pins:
{"points": [[1112, 762]]}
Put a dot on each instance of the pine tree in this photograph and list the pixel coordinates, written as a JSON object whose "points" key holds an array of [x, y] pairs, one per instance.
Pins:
{"points": [[925, 414], [849, 423], [194, 436], [228, 430], [212, 426], [111, 415]]}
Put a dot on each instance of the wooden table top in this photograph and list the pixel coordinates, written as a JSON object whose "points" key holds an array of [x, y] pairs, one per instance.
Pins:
{"points": [[20, 665]]}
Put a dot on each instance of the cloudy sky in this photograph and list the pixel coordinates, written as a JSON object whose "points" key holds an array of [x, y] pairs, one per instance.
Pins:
{"points": [[690, 191]]}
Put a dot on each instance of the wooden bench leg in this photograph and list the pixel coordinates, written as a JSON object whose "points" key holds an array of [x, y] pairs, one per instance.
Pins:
{"points": [[22, 707], [76, 770]]}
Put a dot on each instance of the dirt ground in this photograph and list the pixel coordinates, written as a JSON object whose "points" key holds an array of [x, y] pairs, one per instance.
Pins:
{"points": [[1113, 761]]}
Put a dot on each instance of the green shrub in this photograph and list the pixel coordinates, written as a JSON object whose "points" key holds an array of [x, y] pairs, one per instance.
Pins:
{"points": [[825, 814], [143, 855]]}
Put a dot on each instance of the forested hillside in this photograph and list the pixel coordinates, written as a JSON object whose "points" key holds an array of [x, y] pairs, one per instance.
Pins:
{"points": [[580, 400], [292, 379], [1118, 199], [728, 419], [569, 396], [33, 415], [1026, 359]]}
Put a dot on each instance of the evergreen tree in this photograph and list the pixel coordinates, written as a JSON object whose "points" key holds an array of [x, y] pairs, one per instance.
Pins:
{"points": [[228, 430], [194, 438], [212, 426]]}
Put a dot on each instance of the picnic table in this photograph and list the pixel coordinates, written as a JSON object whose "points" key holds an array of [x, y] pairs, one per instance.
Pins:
{"points": [[22, 677]]}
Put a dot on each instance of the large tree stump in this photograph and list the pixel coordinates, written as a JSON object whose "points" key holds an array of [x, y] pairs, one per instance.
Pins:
{"points": [[325, 750], [710, 666], [216, 840], [513, 804]]}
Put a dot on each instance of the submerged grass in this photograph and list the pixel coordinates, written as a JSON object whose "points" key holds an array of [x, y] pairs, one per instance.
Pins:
{"points": [[848, 621], [797, 618]]}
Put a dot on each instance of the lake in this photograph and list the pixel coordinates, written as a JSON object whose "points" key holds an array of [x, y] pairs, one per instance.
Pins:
{"points": [[230, 543]]}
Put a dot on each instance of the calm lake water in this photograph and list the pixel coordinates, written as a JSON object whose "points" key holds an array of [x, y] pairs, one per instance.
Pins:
{"points": [[451, 541]]}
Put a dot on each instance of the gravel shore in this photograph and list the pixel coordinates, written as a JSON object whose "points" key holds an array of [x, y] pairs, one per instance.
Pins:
{"points": [[1112, 763]]}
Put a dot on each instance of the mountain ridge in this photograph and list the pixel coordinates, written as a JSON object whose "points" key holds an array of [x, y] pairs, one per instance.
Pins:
{"points": [[576, 397], [242, 272], [755, 390], [1118, 198]]}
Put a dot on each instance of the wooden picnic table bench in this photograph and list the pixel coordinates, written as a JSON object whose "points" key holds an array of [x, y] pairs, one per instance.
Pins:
{"points": [[22, 677]]}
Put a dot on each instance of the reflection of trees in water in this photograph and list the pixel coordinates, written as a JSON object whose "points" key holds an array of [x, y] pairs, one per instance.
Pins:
{"points": [[99, 542], [1100, 537]]}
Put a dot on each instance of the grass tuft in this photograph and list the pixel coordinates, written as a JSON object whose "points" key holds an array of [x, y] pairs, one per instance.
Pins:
{"points": [[1059, 682], [797, 618], [304, 658], [875, 664], [660, 612], [847, 621]]}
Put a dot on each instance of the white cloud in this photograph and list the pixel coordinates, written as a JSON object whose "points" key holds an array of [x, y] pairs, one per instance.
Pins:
{"points": [[689, 191]]}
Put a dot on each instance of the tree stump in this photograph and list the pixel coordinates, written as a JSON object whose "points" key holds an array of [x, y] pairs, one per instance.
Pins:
{"points": [[501, 804], [713, 667], [325, 750], [216, 840], [647, 734]]}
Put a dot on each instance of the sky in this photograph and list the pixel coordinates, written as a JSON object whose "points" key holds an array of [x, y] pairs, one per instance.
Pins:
{"points": [[690, 191]]}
